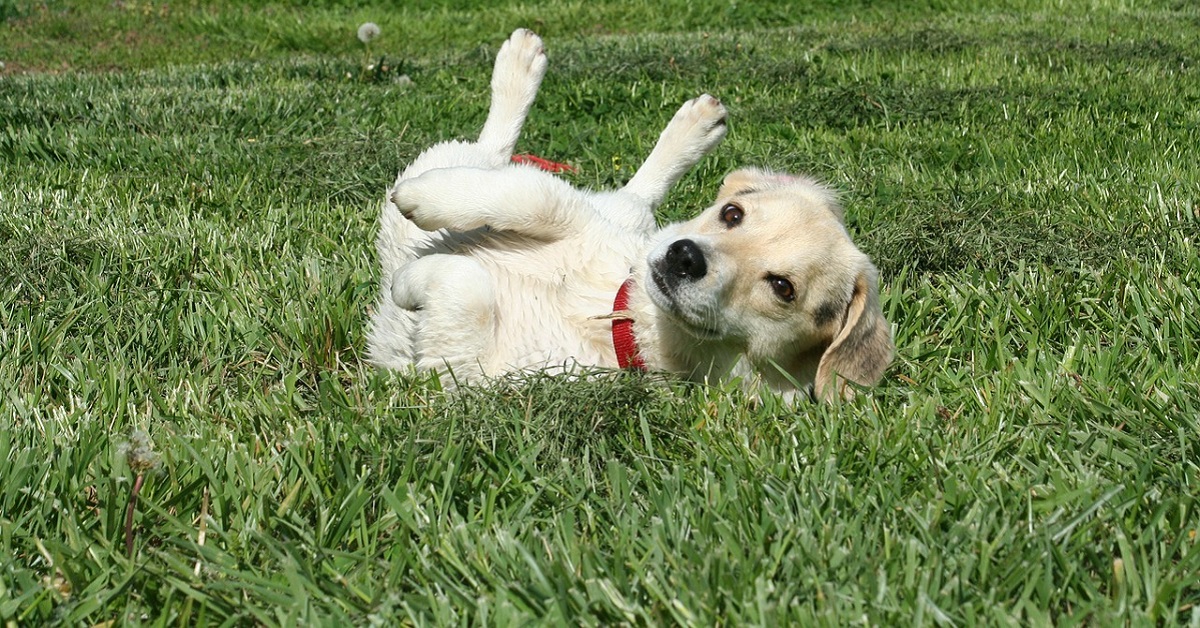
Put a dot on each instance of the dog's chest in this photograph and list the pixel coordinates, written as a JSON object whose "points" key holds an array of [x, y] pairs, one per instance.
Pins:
{"points": [[549, 297]]}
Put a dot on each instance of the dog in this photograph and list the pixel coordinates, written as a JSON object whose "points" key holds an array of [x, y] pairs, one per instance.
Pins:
{"points": [[491, 267]]}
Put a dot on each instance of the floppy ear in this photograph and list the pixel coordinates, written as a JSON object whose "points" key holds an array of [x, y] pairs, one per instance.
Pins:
{"points": [[862, 349]]}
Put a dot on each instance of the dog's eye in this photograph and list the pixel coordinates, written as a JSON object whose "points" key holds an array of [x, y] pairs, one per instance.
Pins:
{"points": [[732, 215], [782, 287]]}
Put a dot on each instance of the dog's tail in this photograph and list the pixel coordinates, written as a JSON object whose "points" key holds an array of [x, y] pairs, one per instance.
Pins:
{"points": [[397, 241], [391, 334], [391, 328]]}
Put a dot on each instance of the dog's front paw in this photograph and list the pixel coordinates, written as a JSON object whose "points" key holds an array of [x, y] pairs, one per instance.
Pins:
{"points": [[415, 204], [699, 125], [403, 198], [437, 200]]}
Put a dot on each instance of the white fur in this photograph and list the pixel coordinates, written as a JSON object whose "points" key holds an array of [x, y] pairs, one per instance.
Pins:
{"points": [[490, 267]]}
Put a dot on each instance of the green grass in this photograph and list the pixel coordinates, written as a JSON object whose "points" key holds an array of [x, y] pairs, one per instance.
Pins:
{"points": [[188, 198]]}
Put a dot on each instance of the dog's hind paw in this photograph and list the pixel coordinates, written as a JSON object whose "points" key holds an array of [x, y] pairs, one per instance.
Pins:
{"points": [[520, 66], [405, 295]]}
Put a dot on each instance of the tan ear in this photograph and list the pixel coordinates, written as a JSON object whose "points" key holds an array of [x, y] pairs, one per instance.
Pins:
{"points": [[862, 349]]}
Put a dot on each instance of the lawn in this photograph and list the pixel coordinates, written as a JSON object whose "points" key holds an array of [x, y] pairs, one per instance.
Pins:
{"points": [[188, 202]]}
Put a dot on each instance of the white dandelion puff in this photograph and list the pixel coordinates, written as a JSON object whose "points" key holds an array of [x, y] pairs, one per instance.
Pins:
{"points": [[368, 31], [139, 452]]}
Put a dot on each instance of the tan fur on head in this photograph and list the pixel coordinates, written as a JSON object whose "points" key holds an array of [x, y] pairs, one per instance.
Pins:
{"points": [[828, 327], [746, 180]]}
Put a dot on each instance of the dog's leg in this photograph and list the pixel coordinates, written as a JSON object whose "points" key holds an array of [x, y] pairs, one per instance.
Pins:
{"points": [[696, 129], [518, 198], [520, 66], [454, 304]]}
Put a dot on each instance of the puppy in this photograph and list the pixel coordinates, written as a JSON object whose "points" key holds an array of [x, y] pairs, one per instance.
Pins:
{"points": [[491, 267]]}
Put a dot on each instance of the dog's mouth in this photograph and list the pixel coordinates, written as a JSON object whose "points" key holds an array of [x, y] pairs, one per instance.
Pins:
{"points": [[663, 295], [663, 288]]}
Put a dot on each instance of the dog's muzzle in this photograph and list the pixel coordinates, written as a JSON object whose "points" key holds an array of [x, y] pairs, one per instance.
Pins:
{"points": [[675, 275], [683, 263]]}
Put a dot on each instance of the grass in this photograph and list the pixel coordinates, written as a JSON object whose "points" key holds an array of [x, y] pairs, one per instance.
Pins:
{"points": [[189, 199]]}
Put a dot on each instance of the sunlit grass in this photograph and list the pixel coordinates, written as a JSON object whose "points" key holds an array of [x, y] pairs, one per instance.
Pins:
{"points": [[186, 228]]}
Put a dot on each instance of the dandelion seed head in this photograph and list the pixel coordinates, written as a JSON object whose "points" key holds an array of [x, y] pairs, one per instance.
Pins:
{"points": [[139, 452], [368, 31]]}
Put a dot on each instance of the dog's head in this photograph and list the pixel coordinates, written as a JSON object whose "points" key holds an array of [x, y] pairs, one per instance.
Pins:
{"points": [[771, 270]]}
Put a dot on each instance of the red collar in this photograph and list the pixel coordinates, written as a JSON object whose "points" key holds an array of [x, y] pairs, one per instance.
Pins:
{"points": [[622, 331]]}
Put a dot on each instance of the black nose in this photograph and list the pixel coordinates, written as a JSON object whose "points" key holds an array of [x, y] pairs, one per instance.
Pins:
{"points": [[685, 260]]}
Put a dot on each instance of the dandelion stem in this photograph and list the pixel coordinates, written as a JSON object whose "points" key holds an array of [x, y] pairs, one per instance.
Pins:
{"points": [[133, 495]]}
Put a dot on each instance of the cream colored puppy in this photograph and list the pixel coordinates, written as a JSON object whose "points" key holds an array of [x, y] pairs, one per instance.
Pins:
{"points": [[490, 267]]}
